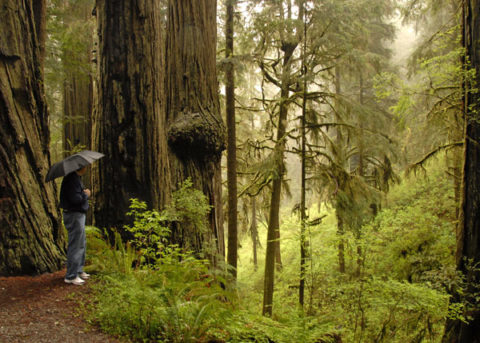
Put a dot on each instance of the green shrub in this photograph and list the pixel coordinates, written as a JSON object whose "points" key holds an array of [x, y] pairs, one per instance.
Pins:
{"points": [[149, 230], [386, 310], [150, 290], [175, 303]]}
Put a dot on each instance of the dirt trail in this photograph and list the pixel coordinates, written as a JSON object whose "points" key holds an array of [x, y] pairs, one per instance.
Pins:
{"points": [[44, 309]]}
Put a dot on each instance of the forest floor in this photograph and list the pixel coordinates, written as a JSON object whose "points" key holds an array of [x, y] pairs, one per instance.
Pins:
{"points": [[45, 309]]}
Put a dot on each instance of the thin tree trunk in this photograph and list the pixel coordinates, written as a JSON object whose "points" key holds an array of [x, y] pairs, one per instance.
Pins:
{"points": [[303, 157], [339, 142], [196, 133], [231, 143], [288, 47], [128, 122], [32, 239], [303, 254], [341, 244], [361, 173], [278, 253], [273, 233], [254, 232]]}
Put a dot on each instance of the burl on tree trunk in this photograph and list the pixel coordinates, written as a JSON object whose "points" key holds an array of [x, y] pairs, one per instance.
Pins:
{"points": [[196, 133]]}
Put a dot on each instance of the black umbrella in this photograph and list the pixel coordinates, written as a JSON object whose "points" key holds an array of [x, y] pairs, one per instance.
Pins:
{"points": [[72, 163]]}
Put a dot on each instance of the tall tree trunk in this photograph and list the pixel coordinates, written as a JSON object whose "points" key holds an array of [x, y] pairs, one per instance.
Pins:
{"points": [[231, 143], [361, 173], [278, 254], [32, 240], [273, 231], [303, 255], [254, 232], [303, 158], [128, 122], [339, 142], [341, 243], [196, 133], [468, 230]]}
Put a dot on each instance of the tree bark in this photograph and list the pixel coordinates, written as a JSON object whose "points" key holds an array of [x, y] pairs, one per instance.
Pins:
{"points": [[128, 122], [40, 14], [468, 230], [231, 143], [32, 240], [196, 133]]}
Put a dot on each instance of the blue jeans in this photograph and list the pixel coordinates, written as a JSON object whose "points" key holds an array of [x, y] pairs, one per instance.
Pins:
{"points": [[77, 243]]}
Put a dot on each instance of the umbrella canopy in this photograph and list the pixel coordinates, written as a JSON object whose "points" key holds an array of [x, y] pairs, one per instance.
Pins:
{"points": [[72, 163]]}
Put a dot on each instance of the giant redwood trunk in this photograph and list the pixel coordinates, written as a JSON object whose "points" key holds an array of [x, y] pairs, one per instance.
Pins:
{"points": [[232, 255], [196, 133], [32, 240], [128, 124], [468, 232]]}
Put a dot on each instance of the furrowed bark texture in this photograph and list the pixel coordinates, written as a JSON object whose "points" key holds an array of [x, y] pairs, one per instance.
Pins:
{"points": [[40, 15], [196, 133], [128, 124], [32, 240]]}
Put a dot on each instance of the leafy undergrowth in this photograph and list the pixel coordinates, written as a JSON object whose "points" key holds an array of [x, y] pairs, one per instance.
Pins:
{"points": [[151, 291]]}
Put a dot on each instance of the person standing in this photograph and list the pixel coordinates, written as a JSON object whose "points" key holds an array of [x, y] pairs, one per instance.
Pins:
{"points": [[74, 202]]}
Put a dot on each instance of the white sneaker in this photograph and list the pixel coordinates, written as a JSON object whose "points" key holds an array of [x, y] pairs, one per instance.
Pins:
{"points": [[84, 276], [77, 281]]}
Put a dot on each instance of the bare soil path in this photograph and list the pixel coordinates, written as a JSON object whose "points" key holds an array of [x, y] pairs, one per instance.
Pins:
{"points": [[45, 309]]}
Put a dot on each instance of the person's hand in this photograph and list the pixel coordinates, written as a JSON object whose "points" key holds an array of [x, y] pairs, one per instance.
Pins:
{"points": [[87, 192]]}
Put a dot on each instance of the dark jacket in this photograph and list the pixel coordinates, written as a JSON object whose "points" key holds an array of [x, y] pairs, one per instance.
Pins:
{"points": [[72, 196]]}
